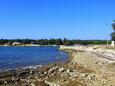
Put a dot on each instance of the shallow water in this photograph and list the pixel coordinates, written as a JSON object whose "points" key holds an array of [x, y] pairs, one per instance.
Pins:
{"points": [[23, 56]]}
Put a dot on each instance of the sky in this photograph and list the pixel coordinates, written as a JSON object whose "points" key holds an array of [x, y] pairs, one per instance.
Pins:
{"points": [[73, 19]]}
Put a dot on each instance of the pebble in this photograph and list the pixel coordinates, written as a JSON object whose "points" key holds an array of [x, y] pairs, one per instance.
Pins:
{"points": [[61, 69], [32, 84]]}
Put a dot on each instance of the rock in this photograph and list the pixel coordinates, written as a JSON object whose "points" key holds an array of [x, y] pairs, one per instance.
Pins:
{"points": [[86, 75], [96, 62], [93, 77], [51, 70], [52, 83], [83, 75], [1, 81], [68, 71], [7, 74], [61, 69], [72, 75], [45, 73], [32, 84], [38, 83], [5, 82], [31, 72], [15, 79], [41, 75], [89, 76]]}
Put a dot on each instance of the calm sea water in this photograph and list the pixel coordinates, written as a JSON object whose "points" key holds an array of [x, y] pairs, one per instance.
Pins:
{"points": [[13, 57]]}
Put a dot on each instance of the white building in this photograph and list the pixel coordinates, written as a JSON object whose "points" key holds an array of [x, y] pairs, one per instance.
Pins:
{"points": [[16, 43]]}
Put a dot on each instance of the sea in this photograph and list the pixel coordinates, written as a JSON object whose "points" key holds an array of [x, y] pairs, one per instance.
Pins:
{"points": [[12, 57]]}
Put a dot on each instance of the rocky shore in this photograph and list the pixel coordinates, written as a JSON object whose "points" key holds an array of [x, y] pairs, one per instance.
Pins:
{"points": [[86, 66]]}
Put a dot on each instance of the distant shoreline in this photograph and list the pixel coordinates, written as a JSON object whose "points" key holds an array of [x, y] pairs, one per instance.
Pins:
{"points": [[29, 45]]}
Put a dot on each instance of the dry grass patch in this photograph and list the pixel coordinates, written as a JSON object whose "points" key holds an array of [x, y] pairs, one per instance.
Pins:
{"points": [[75, 83], [83, 69]]}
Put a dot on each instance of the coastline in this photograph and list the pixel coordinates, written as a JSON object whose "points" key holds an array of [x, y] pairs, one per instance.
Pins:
{"points": [[83, 68], [40, 70], [28, 45]]}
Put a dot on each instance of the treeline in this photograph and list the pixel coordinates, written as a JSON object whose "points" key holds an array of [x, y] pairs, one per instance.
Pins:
{"points": [[86, 42], [52, 41]]}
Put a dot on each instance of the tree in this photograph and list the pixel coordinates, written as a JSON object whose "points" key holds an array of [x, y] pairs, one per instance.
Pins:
{"points": [[59, 42], [113, 36], [64, 41], [52, 41], [113, 33], [113, 25], [69, 42]]}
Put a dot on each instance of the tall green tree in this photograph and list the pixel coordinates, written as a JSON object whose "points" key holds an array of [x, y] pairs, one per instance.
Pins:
{"points": [[59, 42], [113, 33]]}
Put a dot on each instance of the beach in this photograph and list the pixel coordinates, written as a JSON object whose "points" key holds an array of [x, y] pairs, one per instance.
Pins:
{"points": [[85, 66]]}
